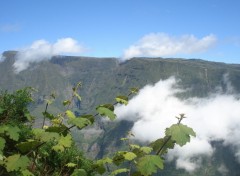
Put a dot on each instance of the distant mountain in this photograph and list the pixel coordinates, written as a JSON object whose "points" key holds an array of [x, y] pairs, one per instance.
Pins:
{"points": [[104, 78]]}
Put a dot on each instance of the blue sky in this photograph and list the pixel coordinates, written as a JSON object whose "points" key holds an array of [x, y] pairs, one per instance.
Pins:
{"points": [[206, 29]]}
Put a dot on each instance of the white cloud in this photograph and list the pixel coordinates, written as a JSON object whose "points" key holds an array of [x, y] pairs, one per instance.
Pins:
{"points": [[215, 118], [43, 50], [161, 44]]}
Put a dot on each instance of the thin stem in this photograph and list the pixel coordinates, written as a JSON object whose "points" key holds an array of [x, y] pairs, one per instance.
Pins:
{"points": [[165, 143]]}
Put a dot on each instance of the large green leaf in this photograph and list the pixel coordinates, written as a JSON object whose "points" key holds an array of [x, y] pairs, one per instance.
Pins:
{"points": [[16, 162], [148, 164], [79, 122], [106, 110], [44, 136], [25, 147], [11, 131], [180, 133]]}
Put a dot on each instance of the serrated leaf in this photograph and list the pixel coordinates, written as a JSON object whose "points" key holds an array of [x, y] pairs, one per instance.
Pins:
{"points": [[16, 162], [63, 142], [158, 144], [25, 147], [180, 133], [79, 172], [146, 150], [122, 99], [13, 132], [134, 146], [149, 164], [119, 171], [104, 111], [129, 156], [70, 114]]}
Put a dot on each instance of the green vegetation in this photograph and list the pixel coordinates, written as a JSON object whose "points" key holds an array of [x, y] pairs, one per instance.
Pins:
{"points": [[50, 149]]}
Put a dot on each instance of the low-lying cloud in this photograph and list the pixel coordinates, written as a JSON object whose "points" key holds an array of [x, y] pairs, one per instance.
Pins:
{"points": [[43, 50], [161, 45], [216, 118]]}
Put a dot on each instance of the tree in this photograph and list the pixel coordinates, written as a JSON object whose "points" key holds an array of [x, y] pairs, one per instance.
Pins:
{"points": [[50, 150]]}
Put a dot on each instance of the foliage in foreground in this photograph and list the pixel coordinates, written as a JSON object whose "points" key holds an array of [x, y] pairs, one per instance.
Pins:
{"points": [[50, 150]]}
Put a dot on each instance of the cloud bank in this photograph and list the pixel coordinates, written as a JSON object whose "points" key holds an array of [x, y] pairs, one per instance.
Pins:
{"points": [[161, 44], [43, 50], [216, 118]]}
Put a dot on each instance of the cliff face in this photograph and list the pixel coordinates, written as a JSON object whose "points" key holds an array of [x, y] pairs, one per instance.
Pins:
{"points": [[105, 78]]}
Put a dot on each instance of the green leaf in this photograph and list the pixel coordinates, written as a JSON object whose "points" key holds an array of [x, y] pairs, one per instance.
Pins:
{"points": [[180, 133], [119, 171], [70, 114], [16, 162], [63, 142], [62, 129], [122, 99], [71, 165], [27, 173], [134, 146], [13, 132], [134, 90], [122, 156], [148, 164], [99, 168], [25, 147], [43, 136], [29, 116], [79, 122], [104, 161], [129, 156], [89, 117], [66, 102], [48, 115], [146, 150], [158, 144], [79, 172], [2, 144], [104, 110]]}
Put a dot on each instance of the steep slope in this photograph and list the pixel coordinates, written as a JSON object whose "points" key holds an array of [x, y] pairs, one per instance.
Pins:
{"points": [[104, 78]]}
